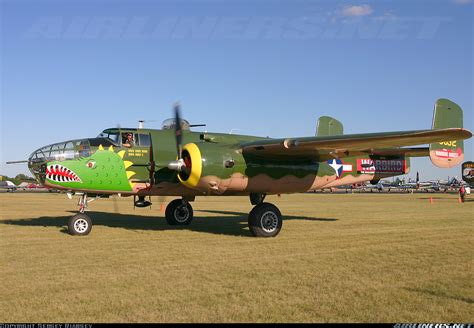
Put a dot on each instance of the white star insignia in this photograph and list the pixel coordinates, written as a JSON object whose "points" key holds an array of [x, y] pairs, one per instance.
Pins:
{"points": [[335, 166]]}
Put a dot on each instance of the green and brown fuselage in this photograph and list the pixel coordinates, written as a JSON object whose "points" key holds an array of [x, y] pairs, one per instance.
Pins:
{"points": [[216, 166]]}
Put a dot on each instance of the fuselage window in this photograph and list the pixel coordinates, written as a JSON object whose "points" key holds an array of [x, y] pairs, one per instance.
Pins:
{"points": [[144, 140]]}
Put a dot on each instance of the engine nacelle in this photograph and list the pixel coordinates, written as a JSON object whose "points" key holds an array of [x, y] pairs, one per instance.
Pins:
{"points": [[209, 166]]}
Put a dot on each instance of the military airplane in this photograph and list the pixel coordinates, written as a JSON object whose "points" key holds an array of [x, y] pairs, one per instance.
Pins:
{"points": [[418, 185], [8, 185], [450, 183], [382, 185], [176, 161]]}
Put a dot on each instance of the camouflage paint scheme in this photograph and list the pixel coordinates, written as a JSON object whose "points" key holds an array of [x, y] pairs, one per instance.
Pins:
{"points": [[224, 164]]}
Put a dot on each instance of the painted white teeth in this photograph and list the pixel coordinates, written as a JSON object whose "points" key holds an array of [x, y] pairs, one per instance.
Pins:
{"points": [[59, 173]]}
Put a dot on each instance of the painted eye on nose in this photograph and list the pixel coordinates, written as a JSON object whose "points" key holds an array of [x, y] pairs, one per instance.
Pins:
{"points": [[91, 164]]}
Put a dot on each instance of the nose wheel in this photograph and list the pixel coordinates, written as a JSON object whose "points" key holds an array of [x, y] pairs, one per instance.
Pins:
{"points": [[265, 220], [79, 225]]}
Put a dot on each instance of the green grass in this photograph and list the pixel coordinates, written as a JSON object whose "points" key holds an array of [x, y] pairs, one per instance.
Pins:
{"points": [[339, 258]]}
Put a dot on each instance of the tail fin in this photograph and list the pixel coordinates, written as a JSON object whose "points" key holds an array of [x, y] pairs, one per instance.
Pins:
{"points": [[448, 153], [328, 126]]}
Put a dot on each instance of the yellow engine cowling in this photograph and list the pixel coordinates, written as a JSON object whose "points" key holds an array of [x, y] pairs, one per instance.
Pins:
{"points": [[192, 157], [209, 167]]}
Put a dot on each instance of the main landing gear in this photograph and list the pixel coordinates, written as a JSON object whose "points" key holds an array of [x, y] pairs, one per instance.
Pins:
{"points": [[179, 212], [264, 219]]}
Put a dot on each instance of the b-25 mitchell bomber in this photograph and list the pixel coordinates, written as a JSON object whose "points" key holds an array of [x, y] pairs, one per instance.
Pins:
{"points": [[175, 161]]}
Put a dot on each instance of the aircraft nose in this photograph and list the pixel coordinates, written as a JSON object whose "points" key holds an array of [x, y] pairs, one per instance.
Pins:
{"points": [[37, 166], [38, 160]]}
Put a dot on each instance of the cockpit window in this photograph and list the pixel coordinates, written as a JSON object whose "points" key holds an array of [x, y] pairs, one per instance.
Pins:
{"points": [[61, 151], [112, 135]]}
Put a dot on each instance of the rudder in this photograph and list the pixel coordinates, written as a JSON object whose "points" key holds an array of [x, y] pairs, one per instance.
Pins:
{"points": [[449, 153]]}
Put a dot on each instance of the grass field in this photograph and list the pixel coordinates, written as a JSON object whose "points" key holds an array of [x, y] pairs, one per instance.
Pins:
{"points": [[339, 258]]}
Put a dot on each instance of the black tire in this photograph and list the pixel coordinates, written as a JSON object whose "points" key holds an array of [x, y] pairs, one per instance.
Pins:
{"points": [[179, 213], [79, 225], [265, 220]]}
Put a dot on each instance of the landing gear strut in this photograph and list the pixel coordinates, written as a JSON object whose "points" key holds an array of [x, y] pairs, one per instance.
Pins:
{"points": [[179, 212], [265, 220], [256, 198]]}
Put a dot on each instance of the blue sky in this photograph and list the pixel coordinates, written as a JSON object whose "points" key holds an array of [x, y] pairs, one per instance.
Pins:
{"points": [[69, 69]]}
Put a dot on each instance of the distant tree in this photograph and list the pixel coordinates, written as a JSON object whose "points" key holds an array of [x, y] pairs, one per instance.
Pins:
{"points": [[22, 178]]}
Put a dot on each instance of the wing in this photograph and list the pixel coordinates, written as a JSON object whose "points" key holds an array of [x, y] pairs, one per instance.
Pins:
{"points": [[321, 148]]}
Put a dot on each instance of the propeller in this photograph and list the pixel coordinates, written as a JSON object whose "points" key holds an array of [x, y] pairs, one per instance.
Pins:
{"points": [[178, 130], [179, 164]]}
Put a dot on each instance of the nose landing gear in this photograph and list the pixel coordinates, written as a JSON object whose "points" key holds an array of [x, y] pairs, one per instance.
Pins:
{"points": [[80, 224]]}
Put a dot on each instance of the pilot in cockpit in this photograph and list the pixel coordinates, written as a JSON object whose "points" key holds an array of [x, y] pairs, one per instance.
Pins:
{"points": [[128, 142]]}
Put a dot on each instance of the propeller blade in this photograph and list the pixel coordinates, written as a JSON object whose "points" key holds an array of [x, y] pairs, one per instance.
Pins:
{"points": [[179, 164], [178, 131]]}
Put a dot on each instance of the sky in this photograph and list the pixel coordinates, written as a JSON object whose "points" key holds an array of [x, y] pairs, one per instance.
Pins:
{"points": [[70, 69]]}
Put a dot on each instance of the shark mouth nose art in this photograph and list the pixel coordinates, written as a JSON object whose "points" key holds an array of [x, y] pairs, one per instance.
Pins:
{"points": [[60, 173]]}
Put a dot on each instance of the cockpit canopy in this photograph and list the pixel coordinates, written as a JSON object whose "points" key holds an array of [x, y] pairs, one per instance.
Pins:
{"points": [[171, 124], [60, 151]]}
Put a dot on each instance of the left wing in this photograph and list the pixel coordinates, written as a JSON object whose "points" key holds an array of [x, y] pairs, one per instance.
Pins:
{"points": [[445, 141], [353, 145]]}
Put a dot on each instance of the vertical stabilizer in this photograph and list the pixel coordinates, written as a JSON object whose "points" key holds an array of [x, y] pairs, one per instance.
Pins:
{"points": [[328, 126], [448, 153]]}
